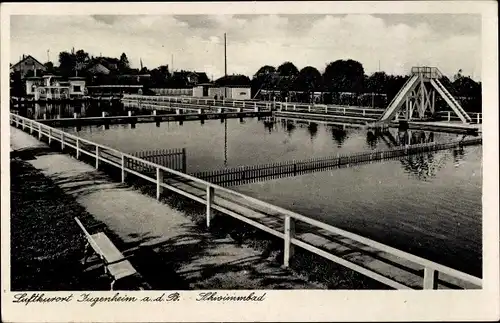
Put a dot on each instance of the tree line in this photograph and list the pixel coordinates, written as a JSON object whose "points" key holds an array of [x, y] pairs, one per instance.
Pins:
{"points": [[348, 77]]}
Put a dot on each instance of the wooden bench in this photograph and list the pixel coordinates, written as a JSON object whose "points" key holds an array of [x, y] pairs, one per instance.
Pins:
{"points": [[115, 263]]}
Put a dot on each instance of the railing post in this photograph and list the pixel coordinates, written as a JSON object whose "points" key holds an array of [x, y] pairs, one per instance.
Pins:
{"points": [[62, 140], [50, 135], [96, 157], [210, 199], [289, 235], [183, 160], [39, 131], [430, 278], [478, 118], [77, 148], [449, 116], [159, 181], [123, 168]]}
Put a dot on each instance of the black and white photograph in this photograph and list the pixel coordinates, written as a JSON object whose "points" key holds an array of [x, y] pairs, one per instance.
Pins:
{"points": [[170, 155]]}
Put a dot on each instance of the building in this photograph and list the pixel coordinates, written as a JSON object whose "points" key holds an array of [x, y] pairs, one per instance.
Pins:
{"points": [[191, 78], [51, 87], [208, 90], [26, 64]]}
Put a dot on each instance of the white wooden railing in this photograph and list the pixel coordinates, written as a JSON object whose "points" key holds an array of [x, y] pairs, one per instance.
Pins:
{"points": [[198, 101], [121, 160]]}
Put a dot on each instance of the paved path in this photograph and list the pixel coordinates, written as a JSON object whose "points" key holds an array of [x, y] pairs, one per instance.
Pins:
{"points": [[198, 258]]}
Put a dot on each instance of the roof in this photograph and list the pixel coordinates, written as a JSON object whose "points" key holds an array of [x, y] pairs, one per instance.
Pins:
{"points": [[25, 58], [237, 86]]}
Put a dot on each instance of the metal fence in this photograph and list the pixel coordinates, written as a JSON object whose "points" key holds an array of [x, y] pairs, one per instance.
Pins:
{"points": [[171, 158], [253, 173]]}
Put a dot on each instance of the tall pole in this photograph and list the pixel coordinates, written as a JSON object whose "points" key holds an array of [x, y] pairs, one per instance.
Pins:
{"points": [[225, 97], [225, 55], [172, 63], [225, 65]]}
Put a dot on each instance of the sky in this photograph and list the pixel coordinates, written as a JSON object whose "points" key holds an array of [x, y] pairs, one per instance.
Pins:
{"points": [[394, 43]]}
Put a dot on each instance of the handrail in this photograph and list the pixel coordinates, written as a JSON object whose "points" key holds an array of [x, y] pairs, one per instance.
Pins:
{"points": [[287, 214]]}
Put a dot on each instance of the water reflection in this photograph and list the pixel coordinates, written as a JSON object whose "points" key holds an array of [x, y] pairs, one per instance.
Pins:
{"points": [[339, 135], [424, 166], [313, 129], [371, 139]]}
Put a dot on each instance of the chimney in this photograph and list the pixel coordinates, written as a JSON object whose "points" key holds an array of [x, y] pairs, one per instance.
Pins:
{"points": [[24, 57]]}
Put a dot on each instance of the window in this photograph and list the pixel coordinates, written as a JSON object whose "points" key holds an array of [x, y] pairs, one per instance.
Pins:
{"points": [[77, 88]]}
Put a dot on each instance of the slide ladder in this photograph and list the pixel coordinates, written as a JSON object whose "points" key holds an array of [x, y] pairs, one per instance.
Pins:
{"points": [[399, 98]]}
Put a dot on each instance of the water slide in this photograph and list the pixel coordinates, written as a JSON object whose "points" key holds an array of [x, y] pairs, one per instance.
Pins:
{"points": [[451, 101], [399, 98]]}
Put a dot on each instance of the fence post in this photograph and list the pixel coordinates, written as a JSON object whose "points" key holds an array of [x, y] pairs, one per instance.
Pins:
{"points": [[50, 135], [210, 199], [39, 131], [62, 140], [449, 116], [477, 116], [363, 112], [430, 278], [96, 157], [289, 234], [159, 181], [77, 148], [183, 160]]}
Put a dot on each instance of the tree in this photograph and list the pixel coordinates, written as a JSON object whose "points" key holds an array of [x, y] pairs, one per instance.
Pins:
{"points": [[160, 76], [123, 65], [287, 69], [376, 83], [67, 63], [344, 76], [233, 80], [308, 79], [265, 70], [17, 84]]}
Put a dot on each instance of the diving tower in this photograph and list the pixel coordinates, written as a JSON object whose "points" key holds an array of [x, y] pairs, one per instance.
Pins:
{"points": [[416, 99]]}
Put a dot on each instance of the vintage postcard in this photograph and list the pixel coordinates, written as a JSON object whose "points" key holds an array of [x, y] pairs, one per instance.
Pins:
{"points": [[249, 161]]}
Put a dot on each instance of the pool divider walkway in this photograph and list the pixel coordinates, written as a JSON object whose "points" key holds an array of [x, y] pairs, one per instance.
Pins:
{"points": [[200, 259]]}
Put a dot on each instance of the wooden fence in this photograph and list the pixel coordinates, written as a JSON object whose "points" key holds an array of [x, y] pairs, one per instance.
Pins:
{"points": [[250, 174], [171, 158], [109, 158]]}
